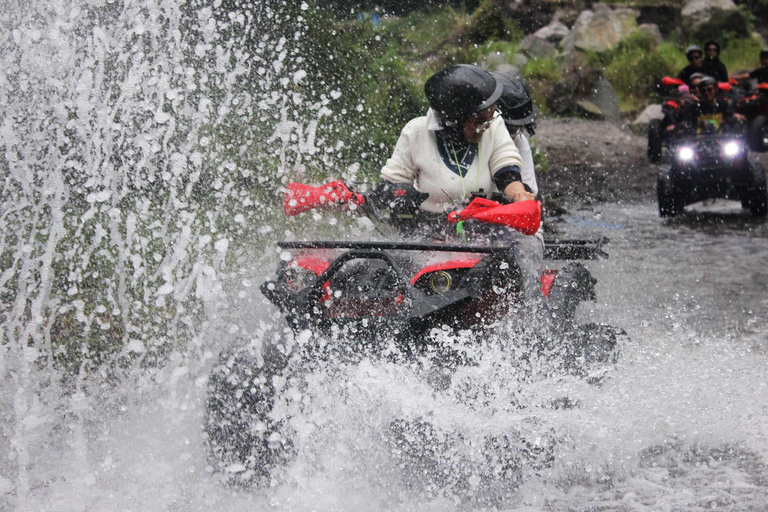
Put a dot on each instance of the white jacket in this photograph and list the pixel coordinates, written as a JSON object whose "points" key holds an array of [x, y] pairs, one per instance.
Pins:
{"points": [[416, 160], [527, 172]]}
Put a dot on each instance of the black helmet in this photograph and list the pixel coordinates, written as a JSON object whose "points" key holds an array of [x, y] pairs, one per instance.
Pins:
{"points": [[515, 104], [459, 91], [693, 49], [707, 80], [763, 54]]}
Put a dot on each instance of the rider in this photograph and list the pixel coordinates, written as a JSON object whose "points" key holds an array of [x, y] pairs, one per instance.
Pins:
{"points": [[712, 65], [761, 73], [710, 112], [519, 115], [693, 54], [694, 85], [461, 146]]}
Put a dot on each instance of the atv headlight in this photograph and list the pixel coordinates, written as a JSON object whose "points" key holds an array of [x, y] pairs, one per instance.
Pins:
{"points": [[440, 282], [732, 149], [685, 154]]}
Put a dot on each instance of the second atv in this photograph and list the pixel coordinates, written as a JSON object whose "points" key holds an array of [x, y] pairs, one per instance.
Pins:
{"points": [[711, 166]]}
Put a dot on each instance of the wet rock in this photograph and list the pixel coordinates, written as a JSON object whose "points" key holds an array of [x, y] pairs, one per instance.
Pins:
{"points": [[554, 32], [601, 29], [653, 30], [566, 15], [586, 92], [536, 48], [651, 112], [702, 18], [602, 102], [519, 60], [493, 60], [509, 69]]}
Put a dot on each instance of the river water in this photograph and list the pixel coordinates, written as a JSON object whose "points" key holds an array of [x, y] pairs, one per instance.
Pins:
{"points": [[678, 424], [129, 259]]}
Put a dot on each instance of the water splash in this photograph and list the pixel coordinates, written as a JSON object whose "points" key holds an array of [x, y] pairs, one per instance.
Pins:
{"points": [[126, 196]]}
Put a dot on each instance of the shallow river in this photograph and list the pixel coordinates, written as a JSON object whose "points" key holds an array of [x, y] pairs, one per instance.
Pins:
{"points": [[680, 423]]}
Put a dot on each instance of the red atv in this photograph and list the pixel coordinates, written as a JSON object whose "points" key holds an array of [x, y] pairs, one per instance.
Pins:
{"points": [[348, 300]]}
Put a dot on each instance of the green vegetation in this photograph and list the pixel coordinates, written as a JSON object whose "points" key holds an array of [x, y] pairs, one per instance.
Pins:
{"points": [[636, 66], [741, 54]]}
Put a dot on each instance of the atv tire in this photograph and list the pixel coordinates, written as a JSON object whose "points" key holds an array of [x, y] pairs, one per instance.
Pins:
{"points": [[758, 134], [670, 203], [245, 441], [655, 141], [757, 195]]}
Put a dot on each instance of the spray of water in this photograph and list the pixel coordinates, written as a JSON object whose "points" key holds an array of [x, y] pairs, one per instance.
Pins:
{"points": [[142, 144]]}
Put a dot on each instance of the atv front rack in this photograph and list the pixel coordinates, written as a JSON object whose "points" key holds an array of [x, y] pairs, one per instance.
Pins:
{"points": [[393, 246], [553, 249]]}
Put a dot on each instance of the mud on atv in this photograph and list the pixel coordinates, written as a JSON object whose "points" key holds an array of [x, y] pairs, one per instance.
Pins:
{"points": [[350, 300], [715, 166]]}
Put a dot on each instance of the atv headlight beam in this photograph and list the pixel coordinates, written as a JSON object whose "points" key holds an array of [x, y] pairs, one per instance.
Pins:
{"points": [[685, 154], [731, 149]]}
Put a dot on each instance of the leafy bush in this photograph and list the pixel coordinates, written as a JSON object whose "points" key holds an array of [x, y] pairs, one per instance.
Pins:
{"points": [[636, 66], [741, 54]]}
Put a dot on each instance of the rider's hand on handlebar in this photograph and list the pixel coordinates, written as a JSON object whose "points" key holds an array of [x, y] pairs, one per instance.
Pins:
{"points": [[516, 191]]}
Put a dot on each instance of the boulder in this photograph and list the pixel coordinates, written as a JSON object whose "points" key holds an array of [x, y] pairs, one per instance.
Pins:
{"points": [[651, 112], [566, 15], [536, 48], [519, 60], [493, 60], [651, 29], [509, 69], [604, 97], [587, 92], [554, 32], [601, 29], [705, 19]]}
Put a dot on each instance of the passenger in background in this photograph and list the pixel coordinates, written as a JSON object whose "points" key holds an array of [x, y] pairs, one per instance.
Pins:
{"points": [[712, 65], [693, 54], [760, 74]]}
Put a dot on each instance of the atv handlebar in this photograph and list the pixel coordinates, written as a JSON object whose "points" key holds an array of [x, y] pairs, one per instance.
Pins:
{"points": [[524, 216], [300, 198]]}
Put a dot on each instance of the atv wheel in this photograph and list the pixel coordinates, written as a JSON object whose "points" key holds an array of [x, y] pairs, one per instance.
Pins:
{"points": [[757, 194], [758, 134], [245, 441], [669, 200], [596, 343], [655, 141]]}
